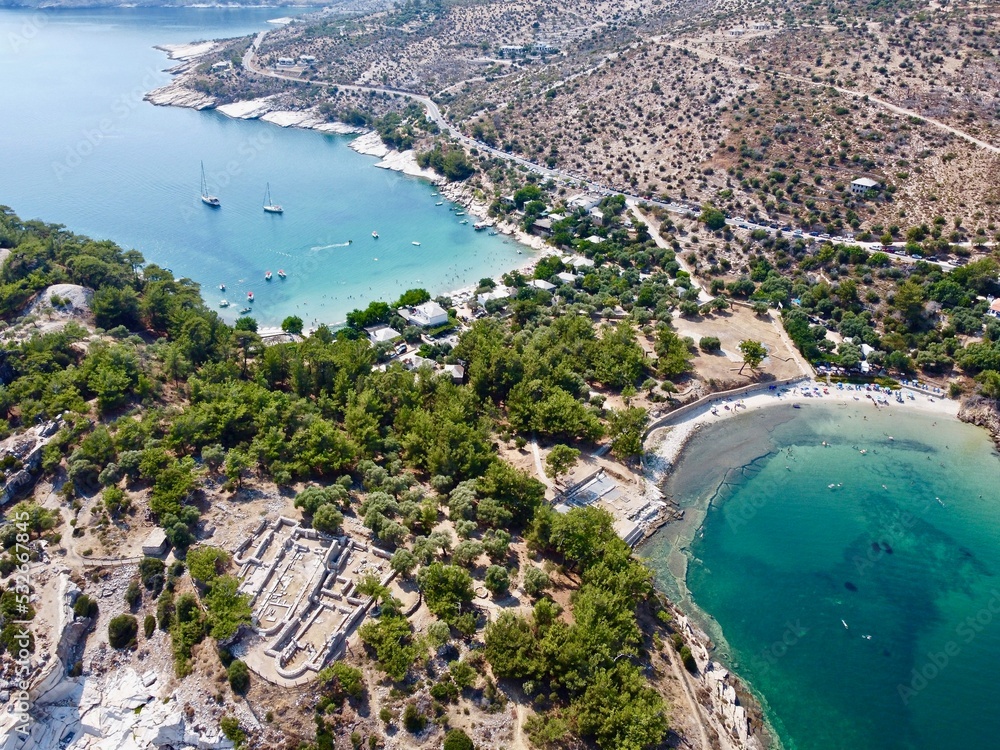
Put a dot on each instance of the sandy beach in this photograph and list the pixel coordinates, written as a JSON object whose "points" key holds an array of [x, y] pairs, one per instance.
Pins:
{"points": [[667, 442]]}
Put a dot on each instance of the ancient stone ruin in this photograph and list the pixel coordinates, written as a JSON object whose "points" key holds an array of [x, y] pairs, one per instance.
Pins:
{"points": [[302, 589]]}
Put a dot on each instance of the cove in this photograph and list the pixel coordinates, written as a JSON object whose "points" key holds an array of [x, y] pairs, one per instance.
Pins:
{"points": [[856, 592], [81, 148]]}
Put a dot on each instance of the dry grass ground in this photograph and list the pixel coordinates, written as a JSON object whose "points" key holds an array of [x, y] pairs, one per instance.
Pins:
{"points": [[726, 100], [731, 328]]}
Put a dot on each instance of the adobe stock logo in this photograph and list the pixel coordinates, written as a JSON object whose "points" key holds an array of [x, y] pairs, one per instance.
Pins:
{"points": [[108, 126], [21, 36], [937, 661]]}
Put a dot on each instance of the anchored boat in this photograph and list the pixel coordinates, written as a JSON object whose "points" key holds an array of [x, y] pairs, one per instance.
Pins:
{"points": [[208, 200], [269, 207]]}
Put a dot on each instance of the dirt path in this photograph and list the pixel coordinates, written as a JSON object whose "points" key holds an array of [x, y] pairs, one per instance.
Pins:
{"points": [[901, 111], [703, 296], [733, 62], [695, 710], [519, 741], [804, 366], [538, 465]]}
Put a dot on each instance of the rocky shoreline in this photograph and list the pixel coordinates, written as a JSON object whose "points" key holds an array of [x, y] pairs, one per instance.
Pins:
{"points": [[729, 708], [982, 412]]}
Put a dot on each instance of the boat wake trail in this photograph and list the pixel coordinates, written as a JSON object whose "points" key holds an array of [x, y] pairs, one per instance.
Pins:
{"points": [[327, 247]]}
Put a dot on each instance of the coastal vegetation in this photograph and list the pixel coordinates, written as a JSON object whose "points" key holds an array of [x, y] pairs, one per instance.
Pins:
{"points": [[161, 409], [158, 398], [164, 400]]}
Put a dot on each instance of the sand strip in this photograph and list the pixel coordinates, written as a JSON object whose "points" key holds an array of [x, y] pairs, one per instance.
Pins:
{"points": [[668, 442]]}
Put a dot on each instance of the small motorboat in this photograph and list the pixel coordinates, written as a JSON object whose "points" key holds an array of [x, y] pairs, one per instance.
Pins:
{"points": [[245, 310], [249, 296], [415, 243], [796, 406], [222, 287], [267, 276], [439, 203], [282, 274], [224, 303], [374, 235]]}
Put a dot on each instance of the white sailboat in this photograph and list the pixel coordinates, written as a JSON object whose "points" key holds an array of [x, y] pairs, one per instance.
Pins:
{"points": [[208, 200], [269, 207]]}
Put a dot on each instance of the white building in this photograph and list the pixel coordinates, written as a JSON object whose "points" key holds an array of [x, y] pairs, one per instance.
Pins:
{"points": [[426, 315], [457, 372], [994, 308], [566, 278], [500, 292], [155, 544], [586, 201], [581, 262], [542, 284], [862, 185], [285, 62], [382, 334]]}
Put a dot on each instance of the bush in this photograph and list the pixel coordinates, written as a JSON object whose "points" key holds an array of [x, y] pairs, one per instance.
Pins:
{"points": [[413, 720], [463, 673], [231, 728], [709, 344], [148, 626], [327, 519], [351, 680], [497, 579], [165, 610], [536, 581], [122, 631], [205, 563], [151, 574], [133, 594], [688, 658], [85, 607], [456, 739], [444, 690], [239, 676]]}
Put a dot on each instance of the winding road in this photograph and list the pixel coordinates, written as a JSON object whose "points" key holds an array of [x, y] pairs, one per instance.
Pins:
{"points": [[435, 115]]}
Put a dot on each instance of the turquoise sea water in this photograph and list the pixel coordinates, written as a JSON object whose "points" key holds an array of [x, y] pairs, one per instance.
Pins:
{"points": [[78, 146], [866, 614]]}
